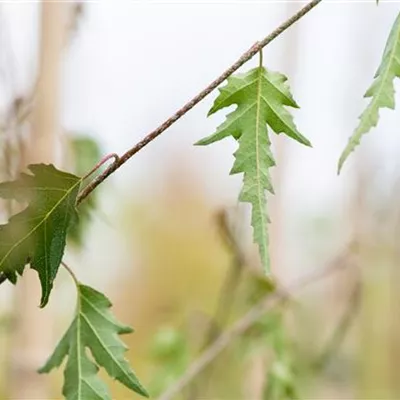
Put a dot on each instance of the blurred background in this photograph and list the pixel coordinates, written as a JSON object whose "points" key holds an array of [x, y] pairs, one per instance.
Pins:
{"points": [[82, 79]]}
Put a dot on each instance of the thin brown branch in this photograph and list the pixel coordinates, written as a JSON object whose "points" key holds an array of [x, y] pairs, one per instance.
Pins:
{"points": [[256, 48], [101, 163], [249, 319]]}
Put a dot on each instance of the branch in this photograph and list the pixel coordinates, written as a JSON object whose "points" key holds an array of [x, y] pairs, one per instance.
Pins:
{"points": [[248, 320], [257, 47], [101, 163]]}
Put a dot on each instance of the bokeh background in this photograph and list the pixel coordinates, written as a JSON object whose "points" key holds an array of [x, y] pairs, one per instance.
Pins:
{"points": [[81, 80]]}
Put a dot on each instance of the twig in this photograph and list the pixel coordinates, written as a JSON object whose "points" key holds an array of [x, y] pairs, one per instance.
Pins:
{"points": [[101, 162], [71, 273], [256, 48], [248, 320]]}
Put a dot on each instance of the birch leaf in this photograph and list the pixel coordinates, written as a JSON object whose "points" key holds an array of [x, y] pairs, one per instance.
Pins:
{"points": [[94, 328], [261, 96], [37, 235], [381, 91]]}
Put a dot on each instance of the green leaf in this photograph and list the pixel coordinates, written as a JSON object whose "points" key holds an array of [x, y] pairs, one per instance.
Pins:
{"points": [[86, 153], [260, 96], [381, 91], [37, 234], [171, 356], [281, 382], [93, 328]]}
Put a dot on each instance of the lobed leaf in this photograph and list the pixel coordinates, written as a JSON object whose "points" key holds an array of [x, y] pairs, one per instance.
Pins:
{"points": [[261, 96], [37, 234], [93, 328], [381, 91]]}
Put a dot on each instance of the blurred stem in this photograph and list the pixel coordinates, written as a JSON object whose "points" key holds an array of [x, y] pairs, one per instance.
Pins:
{"points": [[342, 328], [224, 304], [252, 316]]}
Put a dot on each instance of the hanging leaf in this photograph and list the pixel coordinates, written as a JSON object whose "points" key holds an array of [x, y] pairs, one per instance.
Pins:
{"points": [[37, 234], [260, 96], [381, 91], [96, 329]]}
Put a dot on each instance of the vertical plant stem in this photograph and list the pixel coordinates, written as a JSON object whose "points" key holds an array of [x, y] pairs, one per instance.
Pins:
{"points": [[341, 330], [221, 317]]}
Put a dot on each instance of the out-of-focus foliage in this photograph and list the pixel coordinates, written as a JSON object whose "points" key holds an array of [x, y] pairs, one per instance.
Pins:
{"points": [[171, 296], [86, 153], [281, 383], [170, 355], [271, 335], [181, 261]]}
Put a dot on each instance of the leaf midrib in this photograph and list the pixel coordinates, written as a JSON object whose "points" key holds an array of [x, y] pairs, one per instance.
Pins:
{"points": [[78, 341], [260, 188], [67, 192], [383, 77], [82, 315]]}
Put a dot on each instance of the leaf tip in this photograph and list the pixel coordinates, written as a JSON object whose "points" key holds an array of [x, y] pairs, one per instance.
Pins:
{"points": [[144, 392], [342, 160], [211, 111], [44, 300], [308, 143], [44, 369], [201, 142], [126, 330]]}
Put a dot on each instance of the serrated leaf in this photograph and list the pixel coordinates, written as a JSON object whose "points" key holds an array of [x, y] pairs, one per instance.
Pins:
{"points": [[93, 328], [37, 234], [261, 96], [381, 91]]}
